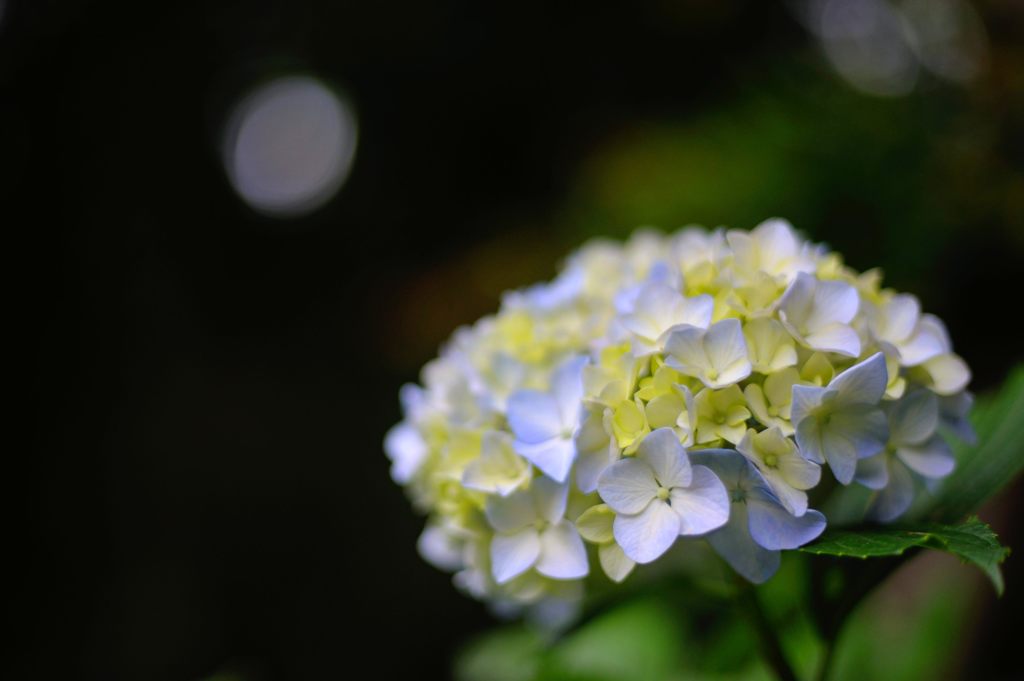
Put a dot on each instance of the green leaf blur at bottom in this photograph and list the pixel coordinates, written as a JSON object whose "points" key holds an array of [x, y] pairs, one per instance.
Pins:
{"points": [[973, 542]]}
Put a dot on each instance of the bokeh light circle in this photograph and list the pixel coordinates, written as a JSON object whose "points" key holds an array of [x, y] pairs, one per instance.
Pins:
{"points": [[289, 145]]}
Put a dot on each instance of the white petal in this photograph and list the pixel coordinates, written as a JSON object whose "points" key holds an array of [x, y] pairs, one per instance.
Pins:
{"points": [[834, 337], [553, 457], [734, 543], [795, 304], [407, 450], [533, 416], [562, 554], [616, 564], [949, 374], [902, 313], [513, 554], [834, 301], [926, 342], [667, 458], [440, 549], [873, 472], [646, 535], [932, 459], [685, 348], [567, 389], [775, 528], [698, 311], [549, 499], [726, 349], [703, 505], [590, 465], [863, 383], [512, 513], [627, 485], [914, 418]]}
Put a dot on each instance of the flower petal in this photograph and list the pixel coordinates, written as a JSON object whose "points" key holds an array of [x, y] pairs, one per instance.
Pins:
{"points": [[513, 554], [703, 505], [646, 535], [595, 524], [407, 450], [834, 337], [726, 350], [562, 554], [852, 435], [914, 418], [895, 499], [932, 459], [512, 513], [614, 561], [627, 485], [863, 383], [549, 499], [553, 457], [533, 416], [734, 543], [440, 549], [667, 458], [873, 472], [567, 390], [775, 528]]}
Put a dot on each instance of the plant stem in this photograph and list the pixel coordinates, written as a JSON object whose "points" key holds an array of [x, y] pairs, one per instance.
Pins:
{"points": [[774, 655]]}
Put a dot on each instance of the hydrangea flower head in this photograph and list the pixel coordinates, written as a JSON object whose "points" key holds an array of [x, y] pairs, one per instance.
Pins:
{"points": [[696, 386]]}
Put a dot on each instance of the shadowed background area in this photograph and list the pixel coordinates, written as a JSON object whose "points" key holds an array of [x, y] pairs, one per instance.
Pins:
{"points": [[243, 225]]}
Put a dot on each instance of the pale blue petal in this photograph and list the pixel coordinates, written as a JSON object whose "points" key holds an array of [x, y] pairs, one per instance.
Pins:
{"points": [[562, 554], [727, 464], [775, 528], [667, 458], [931, 459], [809, 440], [549, 499], [873, 472], [703, 505], [852, 435], [863, 383], [914, 418], [553, 457], [513, 554], [647, 535], [895, 499], [734, 543], [567, 389], [533, 416], [627, 485]]}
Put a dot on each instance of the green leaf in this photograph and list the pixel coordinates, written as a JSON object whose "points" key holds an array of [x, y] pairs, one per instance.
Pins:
{"points": [[972, 541], [637, 641], [509, 654], [984, 469]]}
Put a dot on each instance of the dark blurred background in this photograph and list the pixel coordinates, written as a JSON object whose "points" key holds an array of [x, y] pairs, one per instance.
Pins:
{"points": [[218, 300]]}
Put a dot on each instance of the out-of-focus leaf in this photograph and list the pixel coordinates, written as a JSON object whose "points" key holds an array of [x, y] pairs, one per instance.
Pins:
{"points": [[509, 654], [973, 542], [639, 641], [984, 469]]}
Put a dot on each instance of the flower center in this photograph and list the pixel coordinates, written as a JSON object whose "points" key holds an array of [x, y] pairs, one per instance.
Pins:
{"points": [[663, 493], [771, 460]]}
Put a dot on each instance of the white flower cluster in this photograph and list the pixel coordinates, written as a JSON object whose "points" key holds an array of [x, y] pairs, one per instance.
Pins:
{"points": [[691, 385]]}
